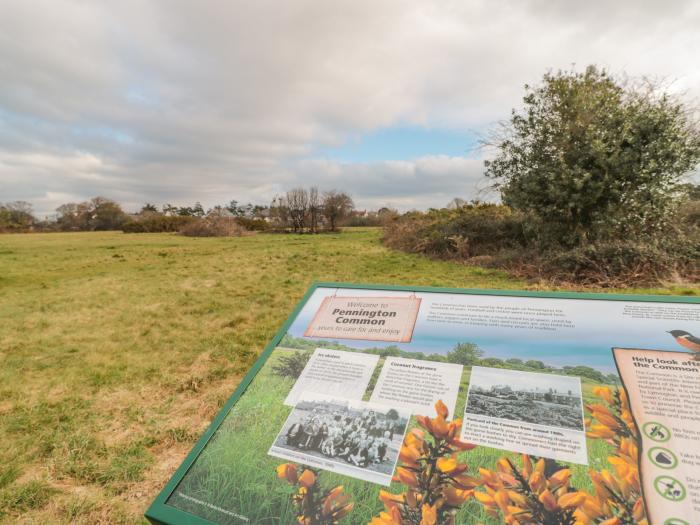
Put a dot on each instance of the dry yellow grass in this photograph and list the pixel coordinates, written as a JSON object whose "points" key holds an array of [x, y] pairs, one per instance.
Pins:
{"points": [[117, 350]]}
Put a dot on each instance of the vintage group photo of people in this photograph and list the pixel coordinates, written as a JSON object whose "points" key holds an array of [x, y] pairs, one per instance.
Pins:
{"points": [[355, 433]]}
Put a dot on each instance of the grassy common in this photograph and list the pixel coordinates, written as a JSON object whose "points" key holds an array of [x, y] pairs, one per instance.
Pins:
{"points": [[117, 350]]}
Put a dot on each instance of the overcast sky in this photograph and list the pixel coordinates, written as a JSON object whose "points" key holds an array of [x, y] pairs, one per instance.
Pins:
{"points": [[179, 101]]}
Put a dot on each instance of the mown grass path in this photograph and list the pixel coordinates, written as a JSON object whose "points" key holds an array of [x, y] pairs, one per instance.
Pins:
{"points": [[117, 350]]}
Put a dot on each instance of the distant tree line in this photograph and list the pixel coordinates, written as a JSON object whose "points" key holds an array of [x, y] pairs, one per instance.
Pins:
{"points": [[467, 354], [299, 210]]}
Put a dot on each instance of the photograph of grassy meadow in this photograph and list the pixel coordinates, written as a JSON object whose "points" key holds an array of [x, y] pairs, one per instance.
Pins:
{"points": [[235, 473]]}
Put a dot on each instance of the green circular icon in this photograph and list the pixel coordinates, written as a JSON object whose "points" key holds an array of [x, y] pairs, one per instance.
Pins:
{"points": [[669, 488], [656, 431], [675, 521], [662, 457]]}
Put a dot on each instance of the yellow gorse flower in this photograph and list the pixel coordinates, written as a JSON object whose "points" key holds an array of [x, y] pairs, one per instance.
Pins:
{"points": [[526, 495], [617, 496], [314, 506], [435, 480], [613, 418]]}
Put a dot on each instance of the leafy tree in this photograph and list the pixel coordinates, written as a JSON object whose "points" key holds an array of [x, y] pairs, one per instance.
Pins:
{"points": [[97, 214], [104, 214], [586, 371], [70, 216], [198, 210], [169, 209], [16, 216], [594, 159], [149, 208], [465, 354], [336, 206], [235, 209], [612, 379], [291, 365], [692, 191], [390, 351], [532, 363], [492, 361]]}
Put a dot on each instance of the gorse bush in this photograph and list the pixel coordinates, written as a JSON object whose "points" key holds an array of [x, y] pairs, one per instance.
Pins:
{"points": [[213, 226], [624, 262], [472, 230], [495, 236], [251, 224], [157, 223]]}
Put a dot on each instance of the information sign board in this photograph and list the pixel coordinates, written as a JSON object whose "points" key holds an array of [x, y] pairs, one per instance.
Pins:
{"points": [[410, 405]]}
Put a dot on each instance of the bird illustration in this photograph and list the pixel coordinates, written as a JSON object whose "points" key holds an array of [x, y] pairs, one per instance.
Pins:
{"points": [[686, 340]]}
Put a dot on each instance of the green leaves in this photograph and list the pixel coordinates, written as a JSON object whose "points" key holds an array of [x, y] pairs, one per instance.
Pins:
{"points": [[594, 159]]}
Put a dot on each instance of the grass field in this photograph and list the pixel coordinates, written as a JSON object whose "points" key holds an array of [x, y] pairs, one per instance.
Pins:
{"points": [[117, 350]]}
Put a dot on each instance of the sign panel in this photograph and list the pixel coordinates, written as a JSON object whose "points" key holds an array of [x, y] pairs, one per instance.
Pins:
{"points": [[425, 405], [663, 390], [368, 318]]}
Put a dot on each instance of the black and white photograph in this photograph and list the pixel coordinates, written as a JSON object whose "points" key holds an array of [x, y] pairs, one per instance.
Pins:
{"points": [[350, 437], [542, 399]]}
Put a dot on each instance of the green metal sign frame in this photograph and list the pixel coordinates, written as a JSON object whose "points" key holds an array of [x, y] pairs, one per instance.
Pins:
{"points": [[159, 513]]}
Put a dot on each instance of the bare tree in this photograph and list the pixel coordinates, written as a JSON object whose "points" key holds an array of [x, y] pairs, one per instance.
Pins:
{"points": [[279, 211], [314, 209], [298, 205], [336, 206]]}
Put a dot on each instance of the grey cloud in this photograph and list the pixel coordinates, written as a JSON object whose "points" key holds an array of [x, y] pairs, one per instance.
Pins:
{"points": [[420, 183], [179, 101]]}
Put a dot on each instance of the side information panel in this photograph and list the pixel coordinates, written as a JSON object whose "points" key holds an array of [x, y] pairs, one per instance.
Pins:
{"points": [[664, 392]]}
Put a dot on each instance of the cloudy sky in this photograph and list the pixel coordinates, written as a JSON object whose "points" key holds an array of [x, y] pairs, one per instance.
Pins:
{"points": [[174, 101]]}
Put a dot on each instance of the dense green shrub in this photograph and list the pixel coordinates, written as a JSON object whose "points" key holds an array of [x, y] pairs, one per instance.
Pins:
{"points": [[292, 364], [591, 173], [690, 213], [594, 158]]}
